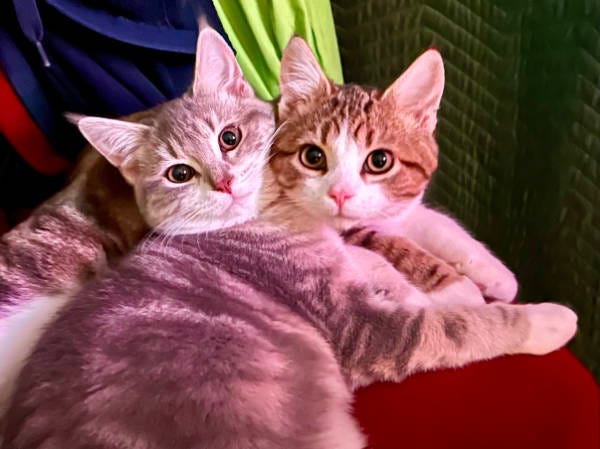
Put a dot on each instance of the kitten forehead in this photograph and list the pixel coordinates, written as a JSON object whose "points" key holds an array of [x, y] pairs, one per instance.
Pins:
{"points": [[188, 123], [345, 149]]}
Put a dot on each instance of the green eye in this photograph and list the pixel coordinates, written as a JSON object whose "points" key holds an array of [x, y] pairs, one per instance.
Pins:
{"points": [[313, 157], [180, 173], [379, 162]]}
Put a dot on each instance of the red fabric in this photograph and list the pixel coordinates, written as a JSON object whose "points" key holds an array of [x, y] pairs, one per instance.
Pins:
{"points": [[24, 135], [517, 402]]}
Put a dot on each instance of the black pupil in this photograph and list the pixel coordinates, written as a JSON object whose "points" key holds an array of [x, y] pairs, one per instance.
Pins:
{"points": [[314, 155], [229, 138], [379, 159], [181, 173]]}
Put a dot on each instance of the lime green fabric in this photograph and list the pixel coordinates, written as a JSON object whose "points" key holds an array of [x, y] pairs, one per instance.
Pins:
{"points": [[259, 30]]}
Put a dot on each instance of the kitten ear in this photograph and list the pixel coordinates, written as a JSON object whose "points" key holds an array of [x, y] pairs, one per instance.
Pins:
{"points": [[73, 117], [301, 77], [419, 89], [116, 140], [216, 67]]}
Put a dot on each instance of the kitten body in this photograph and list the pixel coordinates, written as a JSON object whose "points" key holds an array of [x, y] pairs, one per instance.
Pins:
{"points": [[373, 154], [72, 238], [246, 337]]}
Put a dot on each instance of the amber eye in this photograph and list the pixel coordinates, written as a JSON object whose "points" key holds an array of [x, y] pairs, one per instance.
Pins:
{"points": [[313, 157], [180, 173], [229, 138], [379, 162]]}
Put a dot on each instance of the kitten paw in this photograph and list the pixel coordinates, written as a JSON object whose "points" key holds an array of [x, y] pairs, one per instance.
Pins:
{"points": [[494, 280], [463, 291], [551, 327]]}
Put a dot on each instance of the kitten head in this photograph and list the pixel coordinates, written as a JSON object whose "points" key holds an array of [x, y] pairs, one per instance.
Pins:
{"points": [[349, 154], [196, 162]]}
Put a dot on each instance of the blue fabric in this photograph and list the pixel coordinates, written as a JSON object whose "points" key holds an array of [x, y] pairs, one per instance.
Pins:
{"points": [[130, 31], [100, 57]]}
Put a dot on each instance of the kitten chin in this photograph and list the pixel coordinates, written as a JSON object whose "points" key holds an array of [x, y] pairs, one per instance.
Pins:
{"points": [[341, 223], [229, 212]]}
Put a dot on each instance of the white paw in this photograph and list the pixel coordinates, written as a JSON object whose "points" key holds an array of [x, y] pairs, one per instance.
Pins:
{"points": [[493, 279], [463, 291], [551, 327]]}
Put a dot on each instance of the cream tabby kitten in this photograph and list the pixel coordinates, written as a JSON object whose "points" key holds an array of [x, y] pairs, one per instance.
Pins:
{"points": [[353, 156], [195, 165]]}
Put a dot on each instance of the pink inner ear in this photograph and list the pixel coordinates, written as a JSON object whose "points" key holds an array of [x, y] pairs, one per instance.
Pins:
{"points": [[239, 88], [425, 119]]}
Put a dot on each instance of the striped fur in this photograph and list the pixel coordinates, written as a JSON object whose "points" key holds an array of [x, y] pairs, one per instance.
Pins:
{"points": [[348, 122], [71, 237], [424, 270], [246, 337]]}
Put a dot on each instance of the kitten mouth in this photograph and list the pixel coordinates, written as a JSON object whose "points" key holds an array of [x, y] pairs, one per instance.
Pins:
{"points": [[340, 217], [341, 214]]}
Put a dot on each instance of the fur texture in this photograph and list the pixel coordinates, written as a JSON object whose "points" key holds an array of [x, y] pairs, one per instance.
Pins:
{"points": [[224, 180], [246, 337], [71, 237], [424, 270]]}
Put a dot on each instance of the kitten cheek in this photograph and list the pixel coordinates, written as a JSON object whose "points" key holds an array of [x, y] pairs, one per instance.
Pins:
{"points": [[368, 203]]}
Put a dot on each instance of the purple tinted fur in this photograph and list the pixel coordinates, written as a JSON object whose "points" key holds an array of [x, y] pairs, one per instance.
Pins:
{"points": [[215, 341], [45, 252], [247, 337], [73, 235]]}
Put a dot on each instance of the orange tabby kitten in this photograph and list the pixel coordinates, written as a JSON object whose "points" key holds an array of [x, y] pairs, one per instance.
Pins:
{"points": [[351, 156]]}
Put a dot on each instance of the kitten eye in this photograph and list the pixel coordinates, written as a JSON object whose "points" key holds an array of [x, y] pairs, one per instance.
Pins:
{"points": [[379, 162], [313, 157], [229, 138], [180, 173]]}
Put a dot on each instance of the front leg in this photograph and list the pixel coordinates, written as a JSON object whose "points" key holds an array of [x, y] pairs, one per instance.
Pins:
{"points": [[388, 344], [430, 274], [376, 270], [445, 238]]}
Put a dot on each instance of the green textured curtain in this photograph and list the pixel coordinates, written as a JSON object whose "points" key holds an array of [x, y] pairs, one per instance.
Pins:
{"points": [[260, 29], [519, 129]]}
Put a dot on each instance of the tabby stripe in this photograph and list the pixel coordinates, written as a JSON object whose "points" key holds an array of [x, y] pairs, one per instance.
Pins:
{"points": [[349, 233], [368, 240], [415, 166]]}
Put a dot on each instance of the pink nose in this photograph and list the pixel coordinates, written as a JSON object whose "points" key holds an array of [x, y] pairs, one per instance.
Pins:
{"points": [[340, 196], [224, 185]]}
